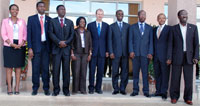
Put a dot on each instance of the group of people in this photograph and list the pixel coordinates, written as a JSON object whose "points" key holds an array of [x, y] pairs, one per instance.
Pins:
{"points": [[176, 46]]}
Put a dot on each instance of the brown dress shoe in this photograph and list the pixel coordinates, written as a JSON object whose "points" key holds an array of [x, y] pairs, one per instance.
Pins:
{"points": [[189, 102], [173, 101]]}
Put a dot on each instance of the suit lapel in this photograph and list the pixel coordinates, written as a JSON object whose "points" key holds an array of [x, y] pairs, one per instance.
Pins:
{"points": [[138, 29], [46, 25], [179, 31], [188, 32], [58, 22], [162, 32], [117, 26], [95, 28], [145, 29]]}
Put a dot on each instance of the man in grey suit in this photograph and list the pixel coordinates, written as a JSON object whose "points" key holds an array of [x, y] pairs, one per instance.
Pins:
{"points": [[183, 53], [141, 50], [118, 50], [61, 32]]}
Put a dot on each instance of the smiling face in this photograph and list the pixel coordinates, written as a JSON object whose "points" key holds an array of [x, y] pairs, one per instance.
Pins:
{"points": [[161, 19], [120, 15], [99, 15], [183, 17], [82, 23], [14, 11], [142, 16]]}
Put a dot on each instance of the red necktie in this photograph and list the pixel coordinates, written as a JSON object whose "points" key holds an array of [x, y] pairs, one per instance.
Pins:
{"points": [[41, 24], [61, 22]]}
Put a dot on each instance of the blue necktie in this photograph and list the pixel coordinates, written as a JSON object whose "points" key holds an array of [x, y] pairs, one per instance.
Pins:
{"points": [[120, 26], [99, 29], [141, 29]]}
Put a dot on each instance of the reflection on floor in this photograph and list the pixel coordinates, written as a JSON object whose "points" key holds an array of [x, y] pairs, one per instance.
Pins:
{"points": [[105, 99]]}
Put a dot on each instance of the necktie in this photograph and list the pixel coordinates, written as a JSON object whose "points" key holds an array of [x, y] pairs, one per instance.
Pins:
{"points": [[99, 29], [159, 31], [141, 29], [61, 23], [41, 24], [120, 26]]}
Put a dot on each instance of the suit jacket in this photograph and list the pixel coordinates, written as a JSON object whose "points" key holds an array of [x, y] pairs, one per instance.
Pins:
{"points": [[34, 33], [7, 31], [141, 45], [175, 49], [76, 43], [99, 44], [57, 34], [118, 40], [161, 44]]}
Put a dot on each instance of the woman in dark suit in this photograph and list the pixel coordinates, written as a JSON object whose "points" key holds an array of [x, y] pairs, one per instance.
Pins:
{"points": [[14, 36], [81, 54]]}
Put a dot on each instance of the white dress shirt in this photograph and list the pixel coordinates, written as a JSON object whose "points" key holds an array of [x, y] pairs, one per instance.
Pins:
{"points": [[100, 24], [15, 31], [119, 23], [183, 32], [43, 37], [63, 20], [160, 26], [143, 24], [82, 40]]}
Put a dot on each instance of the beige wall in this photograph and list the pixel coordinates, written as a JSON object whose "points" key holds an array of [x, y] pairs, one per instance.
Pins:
{"points": [[3, 14]]}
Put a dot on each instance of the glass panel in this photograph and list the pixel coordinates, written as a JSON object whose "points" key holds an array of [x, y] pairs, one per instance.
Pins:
{"points": [[77, 7], [107, 20], [109, 8], [166, 10], [54, 4], [198, 12], [125, 19], [74, 18], [124, 7], [53, 15], [11, 2]]}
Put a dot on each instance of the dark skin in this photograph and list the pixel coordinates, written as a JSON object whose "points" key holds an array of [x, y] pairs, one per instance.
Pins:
{"points": [[142, 18], [61, 13], [81, 28], [41, 11], [183, 17], [119, 16]]}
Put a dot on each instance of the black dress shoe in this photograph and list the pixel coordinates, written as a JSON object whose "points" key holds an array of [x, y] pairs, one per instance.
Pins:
{"points": [[16, 93], [10, 93], [99, 92], [164, 96], [157, 94], [47, 93], [115, 92], [147, 95], [67, 94], [123, 92], [54, 94], [134, 94], [34, 93], [91, 92]]}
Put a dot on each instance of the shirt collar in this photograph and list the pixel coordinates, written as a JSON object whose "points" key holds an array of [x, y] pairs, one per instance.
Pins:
{"points": [[162, 26], [182, 25], [39, 15]]}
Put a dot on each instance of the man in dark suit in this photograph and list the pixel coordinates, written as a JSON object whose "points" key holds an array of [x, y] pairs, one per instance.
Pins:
{"points": [[99, 33], [140, 49], [39, 48], [118, 50], [161, 35], [183, 53], [61, 32]]}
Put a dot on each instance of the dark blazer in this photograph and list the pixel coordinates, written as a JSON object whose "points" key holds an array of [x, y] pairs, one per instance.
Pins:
{"points": [[141, 45], [57, 34], [99, 43], [118, 40], [34, 33], [161, 44], [76, 43], [175, 49]]}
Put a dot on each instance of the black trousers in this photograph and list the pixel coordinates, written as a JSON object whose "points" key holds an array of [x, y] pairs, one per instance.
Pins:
{"points": [[79, 72], [40, 64], [123, 63], [59, 59], [176, 78], [161, 76]]}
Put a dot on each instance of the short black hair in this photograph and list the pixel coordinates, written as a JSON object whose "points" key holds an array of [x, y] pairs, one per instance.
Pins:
{"points": [[13, 5], [40, 2], [139, 12], [180, 11], [79, 19], [59, 7], [119, 11]]}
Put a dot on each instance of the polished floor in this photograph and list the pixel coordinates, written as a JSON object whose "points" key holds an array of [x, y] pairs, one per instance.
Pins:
{"points": [[106, 99]]}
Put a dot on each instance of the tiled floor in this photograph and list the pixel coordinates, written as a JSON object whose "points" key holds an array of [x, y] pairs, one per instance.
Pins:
{"points": [[105, 99]]}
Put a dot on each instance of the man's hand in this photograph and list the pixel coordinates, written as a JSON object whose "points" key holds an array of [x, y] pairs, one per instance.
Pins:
{"points": [[62, 44], [132, 55], [73, 57], [107, 54], [89, 58], [149, 56], [112, 56], [30, 53], [195, 61], [169, 62]]}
